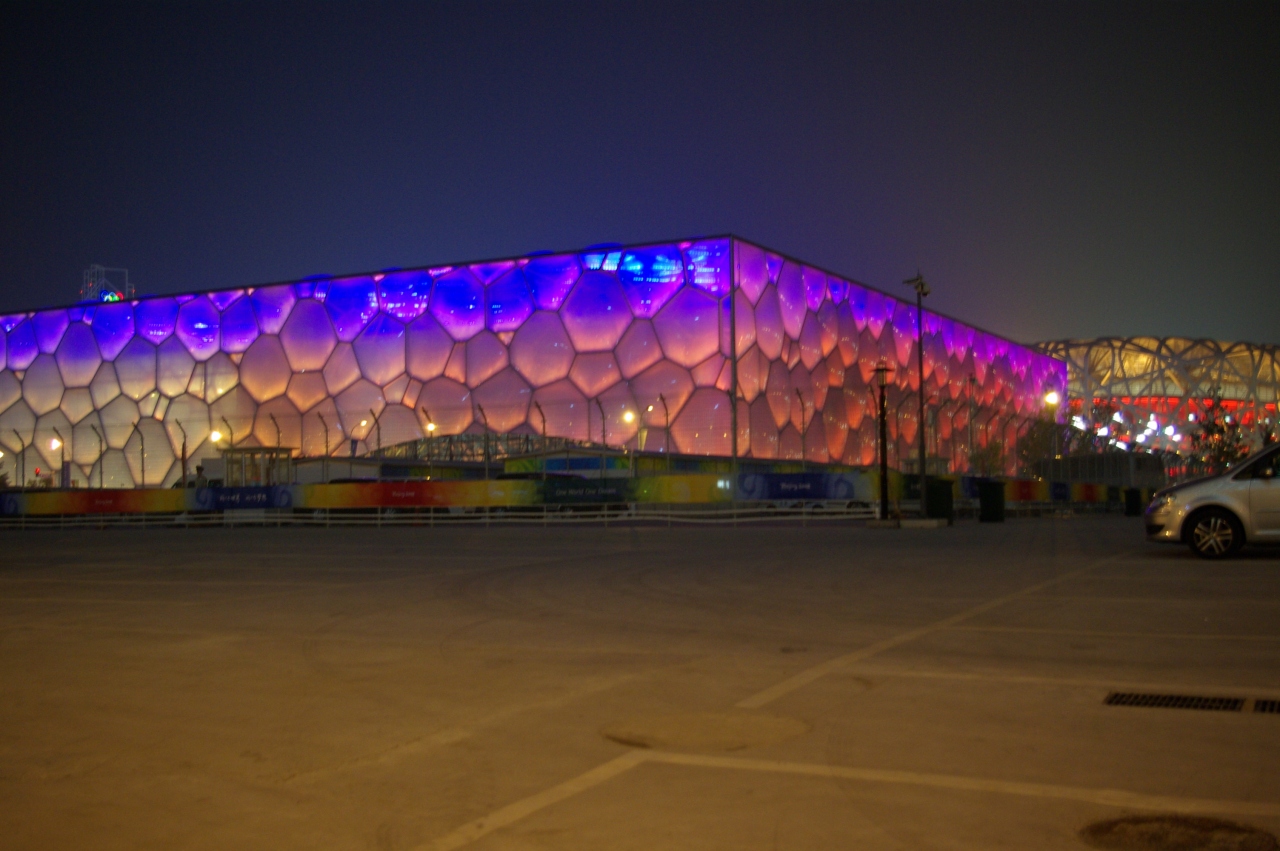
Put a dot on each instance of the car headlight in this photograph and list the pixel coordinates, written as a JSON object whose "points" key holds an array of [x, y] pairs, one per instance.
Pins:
{"points": [[1159, 503]]}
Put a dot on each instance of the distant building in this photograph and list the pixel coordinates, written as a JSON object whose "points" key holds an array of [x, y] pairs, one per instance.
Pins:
{"points": [[640, 347], [1159, 387]]}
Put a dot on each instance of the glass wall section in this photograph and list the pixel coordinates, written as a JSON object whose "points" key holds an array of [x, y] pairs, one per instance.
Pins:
{"points": [[629, 346], [807, 348]]}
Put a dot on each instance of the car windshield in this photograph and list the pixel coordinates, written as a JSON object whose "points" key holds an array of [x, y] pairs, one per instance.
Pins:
{"points": [[1236, 465]]}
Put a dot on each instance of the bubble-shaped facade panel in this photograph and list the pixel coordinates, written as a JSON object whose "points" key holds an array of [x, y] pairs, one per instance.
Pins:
{"points": [[704, 425], [458, 304], [791, 299], [271, 306], [351, 302], [566, 410], [541, 350], [77, 356], [113, 327], [264, 370], [49, 327], [199, 328], [22, 346], [307, 389], [596, 314], [239, 325], [638, 349], [135, 369], [662, 382], [504, 399], [380, 349], [707, 264], [156, 318], [688, 327], [595, 372], [42, 385], [449, 405], [405, 295], [428, 347], [308, 336], [10, 389], [550, 278], [650, 277], [509, 302], [486, 356]]}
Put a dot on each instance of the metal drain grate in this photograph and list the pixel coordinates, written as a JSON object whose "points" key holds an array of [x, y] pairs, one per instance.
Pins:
{"points": [[1272, 706], [1175, 701]]}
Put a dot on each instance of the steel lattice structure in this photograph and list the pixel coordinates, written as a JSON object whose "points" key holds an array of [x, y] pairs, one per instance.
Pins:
{"points": [[1170, 380]]}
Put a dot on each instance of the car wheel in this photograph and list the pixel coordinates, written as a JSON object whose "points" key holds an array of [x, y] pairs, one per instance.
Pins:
{"points": [[1215, 534]]}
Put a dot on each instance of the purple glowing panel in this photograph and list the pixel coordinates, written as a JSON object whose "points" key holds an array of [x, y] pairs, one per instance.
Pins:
{"points": [[596, 313], [113, 327], [50, 325], [9, 322], [791, 299], [264, 371], [405, 295], [753, 274], [505, 399], [458, 304], [352, 302], [769, 324], [199, 328], [815, 287], [239, 326], [485, 356], [662, 382], [272, 306], [708, 264], [510, 302], [650, 277], [380, 350], [308, 336], [77, 356], [156, 318], [688, 327], [222, 298], [550, 278], [638, 349], [22, 345], [487, 273]]}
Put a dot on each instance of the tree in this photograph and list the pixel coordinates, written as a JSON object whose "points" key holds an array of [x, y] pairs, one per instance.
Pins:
{"points": [[1218, 439], [988, 460]]}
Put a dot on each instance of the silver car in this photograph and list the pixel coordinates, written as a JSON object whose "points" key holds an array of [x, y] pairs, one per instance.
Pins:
{"points": [[1217, 515]]}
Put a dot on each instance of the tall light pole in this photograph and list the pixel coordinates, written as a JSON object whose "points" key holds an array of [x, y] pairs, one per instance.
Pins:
{"points": [[922, 290], [324, 462], [666, 430], [22, 454], [184, 451], [882, 381], [804, 448], [485, 419], [102, 461], [543, 417], [64, 475]]}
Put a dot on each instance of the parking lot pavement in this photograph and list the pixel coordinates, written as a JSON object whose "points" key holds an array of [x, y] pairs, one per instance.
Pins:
{"points": [[743, 688]]}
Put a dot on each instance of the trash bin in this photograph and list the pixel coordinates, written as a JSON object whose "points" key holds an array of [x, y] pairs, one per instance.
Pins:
{"points": [[990, 502], [1132, 502], [939, 502]]}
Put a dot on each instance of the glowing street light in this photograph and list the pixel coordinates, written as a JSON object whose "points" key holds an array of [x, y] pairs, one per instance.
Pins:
{"points": [[55, 444], [1052, 398], [215, 436], [628, 417]]}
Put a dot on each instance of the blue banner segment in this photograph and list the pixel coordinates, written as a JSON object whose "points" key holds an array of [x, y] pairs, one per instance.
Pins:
{"points": [[223, 499], [784, 486]]}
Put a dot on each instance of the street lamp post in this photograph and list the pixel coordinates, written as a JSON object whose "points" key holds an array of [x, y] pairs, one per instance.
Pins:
{"points": [[184, 451], [485, 419], [922, 290], [543, 417], [804, 448], [101, 452], [64, 475], [22, 454], [666, 430], [604, 438], [324, 459], [882, 382]]}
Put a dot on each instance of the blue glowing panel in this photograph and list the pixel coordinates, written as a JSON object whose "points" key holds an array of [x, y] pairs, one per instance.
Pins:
{"points": [[510, 302], [239, 326], [550, 278], [405, 295], [380, 350], [708, 262], [50, 325], [458, 304], [352, 302], [22, 345], [155, 318], [272, 306], [113, 327], [650, 277], [77, 356], [199, 328]]}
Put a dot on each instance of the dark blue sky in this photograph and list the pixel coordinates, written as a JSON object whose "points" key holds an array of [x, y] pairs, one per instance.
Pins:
{"points": [[1053, 169]]}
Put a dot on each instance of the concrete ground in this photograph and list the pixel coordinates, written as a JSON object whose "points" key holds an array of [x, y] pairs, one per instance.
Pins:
{"points": [[751, 688]]}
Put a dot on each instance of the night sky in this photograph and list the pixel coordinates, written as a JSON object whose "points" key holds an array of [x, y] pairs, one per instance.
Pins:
{"points": [[1054, 170]]}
